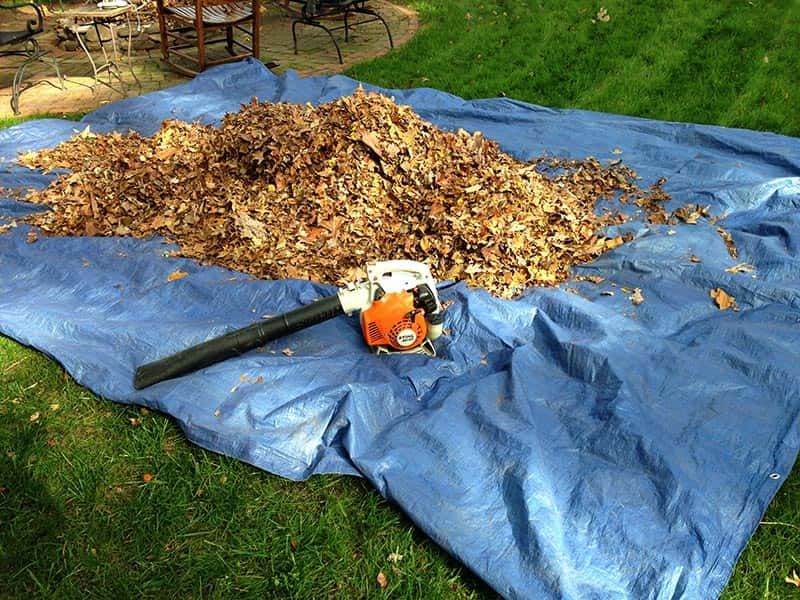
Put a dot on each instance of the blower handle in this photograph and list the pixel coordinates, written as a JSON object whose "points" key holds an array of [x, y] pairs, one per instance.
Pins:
{"points": [[237, 342]]}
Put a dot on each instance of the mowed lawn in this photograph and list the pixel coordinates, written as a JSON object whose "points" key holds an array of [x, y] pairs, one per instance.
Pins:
{"points": [[107, 501]]}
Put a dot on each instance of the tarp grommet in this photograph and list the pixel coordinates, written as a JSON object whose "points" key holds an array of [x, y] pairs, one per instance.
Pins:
{"points": [[774, 475]]}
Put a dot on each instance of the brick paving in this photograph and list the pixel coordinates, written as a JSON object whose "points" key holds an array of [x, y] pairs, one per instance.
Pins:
{"points": [[316, 55]]}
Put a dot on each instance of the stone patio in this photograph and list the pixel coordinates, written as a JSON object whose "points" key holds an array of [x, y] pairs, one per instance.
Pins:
{"points": [[316, 55]]}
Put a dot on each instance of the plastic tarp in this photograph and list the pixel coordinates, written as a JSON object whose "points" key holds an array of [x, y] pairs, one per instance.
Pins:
{"points": [[567, 444]]}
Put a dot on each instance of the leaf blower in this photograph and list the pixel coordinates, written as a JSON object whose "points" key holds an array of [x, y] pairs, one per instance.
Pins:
{"points": [[400, 313]]}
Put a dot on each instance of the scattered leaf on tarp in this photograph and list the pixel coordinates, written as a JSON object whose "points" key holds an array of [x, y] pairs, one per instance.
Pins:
{"points": [[217, 413], [741, 268], [177, 275], [34, 417], [723, 299], [729, 243], [616, 151], [793, 579], [382, 580], [695, 259], [606, 293], [283, 190], [690, 213], [287, 351], [147, 477], [591, 278], [637, 298], [32, 237]]}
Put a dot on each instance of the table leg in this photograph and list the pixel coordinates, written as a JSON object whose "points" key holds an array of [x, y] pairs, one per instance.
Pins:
{"points": [[130, 43], [117, 70], [77, 32]]}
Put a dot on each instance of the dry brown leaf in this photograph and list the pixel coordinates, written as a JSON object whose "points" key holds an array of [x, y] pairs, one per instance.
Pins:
{"points": [[637, 298], [300, 191], [695, 259], [382, 580], [723, 299], [177, 275], [147, 477], [794, 579], [34, 417], [287, 351], [729, 243], [135, 422], [741, 268]]}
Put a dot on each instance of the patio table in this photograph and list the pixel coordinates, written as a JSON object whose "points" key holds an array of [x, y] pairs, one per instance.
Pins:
{"points": [[81, 20]]}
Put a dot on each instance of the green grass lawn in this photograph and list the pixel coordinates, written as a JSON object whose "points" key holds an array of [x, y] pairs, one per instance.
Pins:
{"points": [[76, 514]]}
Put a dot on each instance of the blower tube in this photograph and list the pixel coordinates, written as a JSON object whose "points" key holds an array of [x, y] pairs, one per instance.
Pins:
{"points": [[237, 342]]}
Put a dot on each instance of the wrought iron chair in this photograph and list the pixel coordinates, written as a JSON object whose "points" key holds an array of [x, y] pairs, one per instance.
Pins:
{"points": [[188, 25], [23, 42], [313, 12]]}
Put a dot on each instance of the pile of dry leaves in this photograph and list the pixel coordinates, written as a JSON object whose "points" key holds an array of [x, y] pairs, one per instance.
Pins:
{"points": [[283, 190]]}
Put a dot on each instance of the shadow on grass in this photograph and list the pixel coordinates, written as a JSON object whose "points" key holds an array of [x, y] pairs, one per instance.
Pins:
{"points": [[31, 521]]}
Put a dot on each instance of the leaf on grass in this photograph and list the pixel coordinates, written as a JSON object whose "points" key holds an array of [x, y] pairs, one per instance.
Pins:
{"points": [[794, 579], [723, 299], [147, 477], [382, 580], [54, 407], [51, 442], [741, 268], [395, 557], [34, 417], [134, 421], [177, 275], [293, 544], [602, 16]]}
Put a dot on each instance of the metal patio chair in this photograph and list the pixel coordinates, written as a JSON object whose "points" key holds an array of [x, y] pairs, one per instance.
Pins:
{"points": [[313, 12], [21, 41]]}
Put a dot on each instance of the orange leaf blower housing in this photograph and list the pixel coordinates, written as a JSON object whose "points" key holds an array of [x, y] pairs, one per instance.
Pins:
{"points": [[394, 321]]}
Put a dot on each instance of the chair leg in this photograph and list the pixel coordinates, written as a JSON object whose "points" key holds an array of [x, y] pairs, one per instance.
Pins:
{"points": [[294, 34], [325, 29], [346, 26], [372, 13], [162, 28], [229, 40]]}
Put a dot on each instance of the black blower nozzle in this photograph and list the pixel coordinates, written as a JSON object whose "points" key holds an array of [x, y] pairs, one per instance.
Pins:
{"points": [[236, 342]]}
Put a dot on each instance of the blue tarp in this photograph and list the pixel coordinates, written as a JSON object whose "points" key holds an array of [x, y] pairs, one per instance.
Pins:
{"points": [[567, 444]]}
